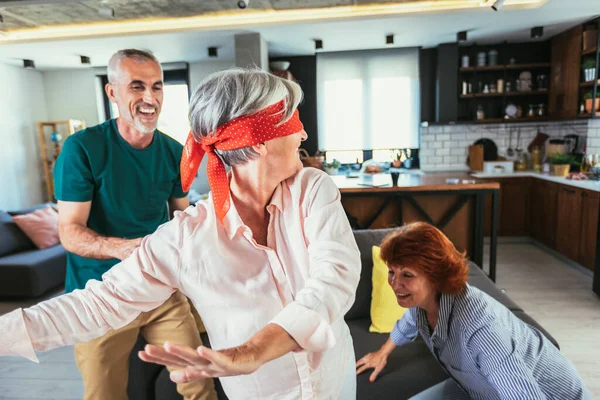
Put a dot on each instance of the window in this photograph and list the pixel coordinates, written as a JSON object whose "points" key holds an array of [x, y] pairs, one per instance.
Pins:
{"points": [[173, 119], [368, 100]]}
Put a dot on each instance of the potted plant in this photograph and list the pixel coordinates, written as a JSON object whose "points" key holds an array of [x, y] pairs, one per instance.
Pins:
{"points": [[332, 167], [589, 97], [589, 69], [397, 158], [560, 164]]}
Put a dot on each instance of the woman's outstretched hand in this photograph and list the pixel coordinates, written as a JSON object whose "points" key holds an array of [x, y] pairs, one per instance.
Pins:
{"points": [[376, 360], [193, 364]]}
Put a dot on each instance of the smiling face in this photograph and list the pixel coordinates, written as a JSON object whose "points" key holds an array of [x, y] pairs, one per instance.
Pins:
{"points": [[412, 288], [282, 154], [138, 93]]}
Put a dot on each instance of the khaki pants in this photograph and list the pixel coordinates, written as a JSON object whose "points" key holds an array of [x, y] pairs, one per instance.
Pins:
{"points": [[104, 362]]}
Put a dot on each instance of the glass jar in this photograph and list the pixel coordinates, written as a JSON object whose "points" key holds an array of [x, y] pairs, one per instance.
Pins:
{"points": [[480, 113], [531, 112], [541, 111]]}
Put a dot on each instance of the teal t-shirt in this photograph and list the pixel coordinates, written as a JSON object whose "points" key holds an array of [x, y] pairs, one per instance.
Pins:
{"points": [[129, 188]]}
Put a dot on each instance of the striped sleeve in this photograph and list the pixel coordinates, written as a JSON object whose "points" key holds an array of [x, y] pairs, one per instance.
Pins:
{"points": [[405, 330], [493, 350]]}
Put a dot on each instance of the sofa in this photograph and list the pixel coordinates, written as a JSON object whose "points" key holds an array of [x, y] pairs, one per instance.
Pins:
{"points": [[410, 369], [26, 271]]}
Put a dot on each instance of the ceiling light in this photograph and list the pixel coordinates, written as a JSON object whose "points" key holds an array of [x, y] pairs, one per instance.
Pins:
{"points": [[28, 64], [497, 5], [85, 60], [461, 36], [106, 12], [243, 4], [318, 44], [389, 39], [212, 52], [537, 32]]}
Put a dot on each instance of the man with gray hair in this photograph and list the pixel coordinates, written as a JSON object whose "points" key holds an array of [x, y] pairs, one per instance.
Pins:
{"points": [[116, 183]]}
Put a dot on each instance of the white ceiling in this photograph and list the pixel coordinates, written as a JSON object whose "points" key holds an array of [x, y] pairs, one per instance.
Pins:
{"points": [[425, 30]]}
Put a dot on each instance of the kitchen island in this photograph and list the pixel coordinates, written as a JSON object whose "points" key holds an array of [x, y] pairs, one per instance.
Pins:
{"points": [[453, 202]]}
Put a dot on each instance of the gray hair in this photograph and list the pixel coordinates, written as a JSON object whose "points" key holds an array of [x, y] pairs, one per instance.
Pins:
{"points": [[139, 56], [226, 95]]}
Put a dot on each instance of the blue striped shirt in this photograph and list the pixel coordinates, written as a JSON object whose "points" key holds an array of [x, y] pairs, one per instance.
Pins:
{"points": [[490, 352]]}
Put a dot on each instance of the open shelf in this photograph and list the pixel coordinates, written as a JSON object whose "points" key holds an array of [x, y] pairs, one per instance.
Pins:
{"points": [[588, 84], [510, 67], [507, 94], [589, 51], [528, 66]]}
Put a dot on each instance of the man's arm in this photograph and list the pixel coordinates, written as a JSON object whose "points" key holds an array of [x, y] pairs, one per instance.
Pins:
{"points": [[77, 238], [178, 204]]}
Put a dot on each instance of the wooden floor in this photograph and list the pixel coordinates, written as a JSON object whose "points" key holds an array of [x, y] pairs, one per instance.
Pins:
{"points": [[556, 294]]}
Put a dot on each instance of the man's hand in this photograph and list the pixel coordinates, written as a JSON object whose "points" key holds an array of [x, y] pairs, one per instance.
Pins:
{"points": [[203, 362], [127, 248]]}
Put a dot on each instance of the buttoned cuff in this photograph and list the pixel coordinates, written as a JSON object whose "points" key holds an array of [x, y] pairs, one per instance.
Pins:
{"points": [[308, 328], [15, 340]]}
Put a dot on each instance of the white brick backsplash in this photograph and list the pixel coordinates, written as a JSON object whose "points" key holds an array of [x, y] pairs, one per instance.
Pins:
{"points": [[427, 152], [450, 129], [459, 152], [594, 142], [458, 136], [473, 136], [465, 143], [450, 159], [442, 152], [428, 138], [437, 145], [449, 144], [444, 136], [434, 160], [436, 129]]}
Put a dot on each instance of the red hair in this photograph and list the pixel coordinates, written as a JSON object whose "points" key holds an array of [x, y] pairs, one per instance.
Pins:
{"points": [[425, 248]]}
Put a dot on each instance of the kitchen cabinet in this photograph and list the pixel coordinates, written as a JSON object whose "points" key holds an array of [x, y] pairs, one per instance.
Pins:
{"points": [[590, 207], [542, 211], [564, 74], [513, 207], [568, 221]]}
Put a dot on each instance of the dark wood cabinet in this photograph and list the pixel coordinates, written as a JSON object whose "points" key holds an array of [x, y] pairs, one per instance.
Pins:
{"points": [[564, 75], [590, 207], [542, 211], [568, 221], [513, 207]]}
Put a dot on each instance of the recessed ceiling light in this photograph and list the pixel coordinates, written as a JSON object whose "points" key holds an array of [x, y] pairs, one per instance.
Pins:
{"points": [[318, 44], [389, 39], [212, 52], [85, 60], [537, 32], [28, 64]]}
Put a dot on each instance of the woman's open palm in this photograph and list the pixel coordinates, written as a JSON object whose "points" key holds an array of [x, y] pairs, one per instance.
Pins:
{"points": [[376, 360]]}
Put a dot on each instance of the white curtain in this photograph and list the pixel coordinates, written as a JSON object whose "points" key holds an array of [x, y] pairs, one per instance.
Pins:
{"points": [[368, 99]]}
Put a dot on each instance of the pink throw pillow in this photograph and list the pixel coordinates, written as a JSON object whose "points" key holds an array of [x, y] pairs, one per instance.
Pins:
{"points": [[41, 226]]}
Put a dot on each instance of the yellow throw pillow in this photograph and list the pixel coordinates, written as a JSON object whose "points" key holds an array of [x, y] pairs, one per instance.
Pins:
{"points": [[385, 310]]}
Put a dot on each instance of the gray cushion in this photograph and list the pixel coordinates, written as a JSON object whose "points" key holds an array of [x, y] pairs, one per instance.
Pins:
{"points": [[12, 238], [410, 369], [34, 208], [366, 239], [32, 272]]}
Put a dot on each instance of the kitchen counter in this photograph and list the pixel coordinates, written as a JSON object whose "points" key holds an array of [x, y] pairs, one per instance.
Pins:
{"points": [[588, 184], [412, 182], [453, 202]]}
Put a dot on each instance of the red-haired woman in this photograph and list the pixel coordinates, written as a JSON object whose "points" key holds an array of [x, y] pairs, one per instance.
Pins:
{"points": [[485, 348]]}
